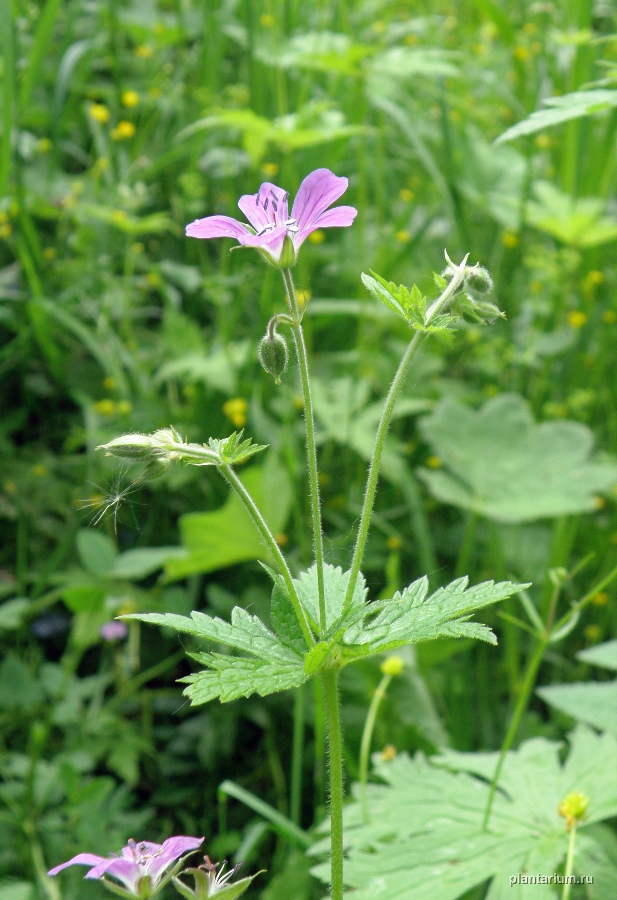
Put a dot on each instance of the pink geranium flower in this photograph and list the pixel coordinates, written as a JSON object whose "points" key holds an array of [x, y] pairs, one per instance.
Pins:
{"points": [[143, 869], [277, 235]]}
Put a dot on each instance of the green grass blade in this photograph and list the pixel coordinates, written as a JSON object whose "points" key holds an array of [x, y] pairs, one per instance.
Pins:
{"points": [[8, 119], [281, 824], [40, 48]]}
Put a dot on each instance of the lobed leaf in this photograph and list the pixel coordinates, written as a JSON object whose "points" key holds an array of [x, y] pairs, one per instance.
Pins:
{"points": [[230, 677]]}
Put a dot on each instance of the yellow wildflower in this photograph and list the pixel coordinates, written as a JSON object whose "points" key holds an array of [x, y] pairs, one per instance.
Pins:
{"points": [[123, 131], [235, 410], [267, 21], [317, 237], [270, 169], [99, 112], [143, 51], [403, 236], [434, 462], [576, 318], [105, 407], [130, 99], [510, 239]]}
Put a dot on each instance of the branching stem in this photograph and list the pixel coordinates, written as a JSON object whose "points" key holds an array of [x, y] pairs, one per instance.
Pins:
{"points": [[281, 563]]}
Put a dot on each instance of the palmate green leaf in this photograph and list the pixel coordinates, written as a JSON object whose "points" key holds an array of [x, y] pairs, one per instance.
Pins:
{"points": [[335, 586], [562, 109], [244, 632], [409, 304], [592, 702], [500, 464], [577, 221], [273, 666], [412, 617], [424, 839], [230, 677], [603, 655]]}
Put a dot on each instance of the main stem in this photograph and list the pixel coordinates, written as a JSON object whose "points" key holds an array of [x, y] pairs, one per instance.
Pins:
{"points": [[309, 419], [329, 680], [437, 307], [253, 510]]}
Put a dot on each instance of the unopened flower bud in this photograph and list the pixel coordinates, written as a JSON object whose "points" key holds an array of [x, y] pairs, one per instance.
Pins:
{"points": [[479, 280], [273, 353], [129, 446], [393, 666], [573, 808]]}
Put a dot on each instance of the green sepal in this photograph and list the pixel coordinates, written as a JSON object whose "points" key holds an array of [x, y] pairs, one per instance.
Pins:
{"points": [[202, 886], [117, 890]]}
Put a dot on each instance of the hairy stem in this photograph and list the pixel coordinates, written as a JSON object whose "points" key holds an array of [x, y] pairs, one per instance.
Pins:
{"points": [[386, 417], [309, 419], [281, 563], [297, 757], [329, 680], [367, 734]]}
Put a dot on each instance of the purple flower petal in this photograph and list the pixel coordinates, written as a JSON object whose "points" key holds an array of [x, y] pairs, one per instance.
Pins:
{"points": [[172, 850], [123, 870], [82, 859], [339, 217], [267, 207], [217, 226], [271, 242], [317, 192]]}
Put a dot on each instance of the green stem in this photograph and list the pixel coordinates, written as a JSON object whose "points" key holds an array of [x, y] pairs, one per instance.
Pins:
{"points": [[253, 510], [329, 680], [395, 388], [569, 863], [367, 734], [373, 474], [309, 419], [530, 678], [297, 757]]}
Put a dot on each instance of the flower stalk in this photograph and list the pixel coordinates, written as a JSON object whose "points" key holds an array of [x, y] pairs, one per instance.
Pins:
{"points": [[311, 448], [436, 308]]}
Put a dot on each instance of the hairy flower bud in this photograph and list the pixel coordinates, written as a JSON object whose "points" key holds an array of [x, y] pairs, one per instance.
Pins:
{"points": [[272, 352], [479, 280], [129, 446]]}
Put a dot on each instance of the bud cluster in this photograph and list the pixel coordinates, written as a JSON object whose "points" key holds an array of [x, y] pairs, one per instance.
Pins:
{"points": [[165, 446]]}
